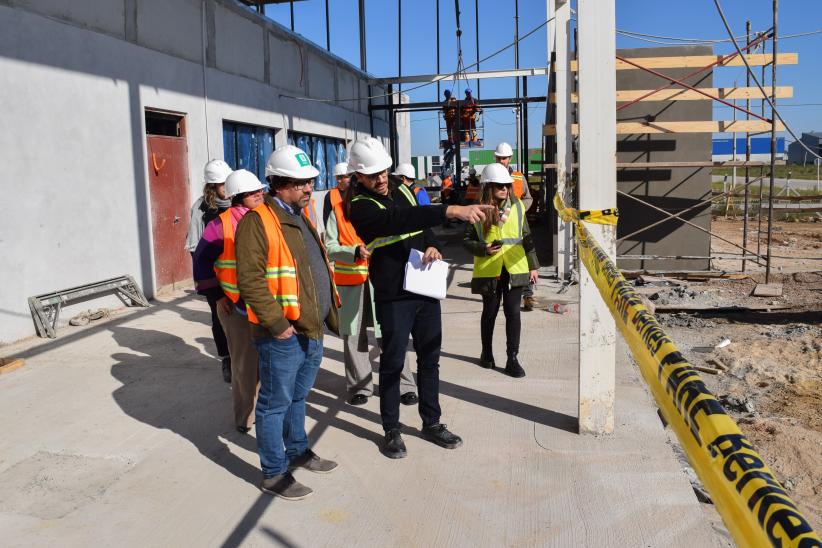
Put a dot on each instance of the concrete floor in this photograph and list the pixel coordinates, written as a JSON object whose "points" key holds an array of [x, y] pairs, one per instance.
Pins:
{"points": [[119, 434]]}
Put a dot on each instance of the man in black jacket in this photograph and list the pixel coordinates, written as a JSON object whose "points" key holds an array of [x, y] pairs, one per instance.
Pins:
{"points": [[386, 219]]}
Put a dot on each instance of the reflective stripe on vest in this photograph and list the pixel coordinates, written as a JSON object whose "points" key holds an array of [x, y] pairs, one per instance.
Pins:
{"points": [[388, 240], [280, 269], [347, 273], [512, 255], [519, 184], [225, 267]]}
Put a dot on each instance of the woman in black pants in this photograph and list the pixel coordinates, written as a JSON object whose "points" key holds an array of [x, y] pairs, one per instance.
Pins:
{"points": [[504, 263]]}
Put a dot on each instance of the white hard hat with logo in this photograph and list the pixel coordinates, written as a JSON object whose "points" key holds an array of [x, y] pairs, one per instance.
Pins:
{"points": [[503, 150], [341, 169], [215, 172], [368, 157], [406, 170], [241, 181], [496, 173], [290, 161]]}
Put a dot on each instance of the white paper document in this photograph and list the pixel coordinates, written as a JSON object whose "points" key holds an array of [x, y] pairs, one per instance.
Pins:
{"points": [[430, 280]]}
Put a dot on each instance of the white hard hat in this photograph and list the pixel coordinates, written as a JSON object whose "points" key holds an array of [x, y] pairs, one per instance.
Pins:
{"points": [[503, 150], [368, 157], [406, 170], [215, 172], [341, 169], [290, 161], [496, 173], [241, 181], [472, 172]]}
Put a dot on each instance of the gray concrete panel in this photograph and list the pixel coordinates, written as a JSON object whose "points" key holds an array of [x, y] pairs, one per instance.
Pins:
{"points": [[172, 27], [102, 15], [672, 189], [239, 44], [320, 78], [287, 64]]}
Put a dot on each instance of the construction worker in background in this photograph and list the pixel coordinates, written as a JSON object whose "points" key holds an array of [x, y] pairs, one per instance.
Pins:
{"points": [[449, 113], [504, 263], [215, 275], [468, 117], [503, 154], [408, 175], [284, 276], [446, 189], [350, 258], [472, 188], [203, 211], [387, 219]]}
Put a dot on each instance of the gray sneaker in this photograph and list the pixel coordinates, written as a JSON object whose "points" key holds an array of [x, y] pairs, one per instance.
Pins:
{"points": [[285, 487], [312, 463]]}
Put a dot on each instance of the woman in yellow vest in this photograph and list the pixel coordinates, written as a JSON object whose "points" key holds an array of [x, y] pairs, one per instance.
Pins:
{"points": [[215, 274], [505, 262]]}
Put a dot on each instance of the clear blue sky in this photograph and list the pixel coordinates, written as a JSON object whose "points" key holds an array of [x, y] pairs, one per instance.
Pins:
{"points": [[682, 18]]}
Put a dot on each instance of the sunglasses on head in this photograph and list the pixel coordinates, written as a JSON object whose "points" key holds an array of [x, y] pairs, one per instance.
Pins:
{"points": [[497, 186]]}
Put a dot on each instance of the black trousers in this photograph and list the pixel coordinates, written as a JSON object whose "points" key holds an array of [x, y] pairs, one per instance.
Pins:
{"points": [[217, 328], [510, 298], [419, 318]]}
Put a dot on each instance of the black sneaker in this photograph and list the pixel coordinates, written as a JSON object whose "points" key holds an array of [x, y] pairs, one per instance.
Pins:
{"points": [[311, 462], [285, 487], [487, 360], [227, 369], [393, 447], [358, 399], [439, 434], [409, 398]]}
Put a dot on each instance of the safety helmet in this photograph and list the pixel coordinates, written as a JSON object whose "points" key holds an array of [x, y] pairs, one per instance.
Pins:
{"points": [[472, 172], [341, 169], [405, 170], [215, 172], [290, 161], [468, 91], [447, 93], [503, 150], [496, 173], [368, 157], [241, 181]]}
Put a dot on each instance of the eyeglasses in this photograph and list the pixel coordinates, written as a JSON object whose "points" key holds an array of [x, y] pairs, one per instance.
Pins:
{"points": [[302, 183]]}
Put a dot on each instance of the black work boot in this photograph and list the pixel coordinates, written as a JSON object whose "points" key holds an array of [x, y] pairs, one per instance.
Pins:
{"points": [[440, 435], [512, 366], [393, 447], [487, 359]]}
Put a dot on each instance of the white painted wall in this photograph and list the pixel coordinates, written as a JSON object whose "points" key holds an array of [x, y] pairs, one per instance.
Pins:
{"points": [[75, 79]]}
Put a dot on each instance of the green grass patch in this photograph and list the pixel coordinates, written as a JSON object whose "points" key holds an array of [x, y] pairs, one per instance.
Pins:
{"points": [[807, 172]]}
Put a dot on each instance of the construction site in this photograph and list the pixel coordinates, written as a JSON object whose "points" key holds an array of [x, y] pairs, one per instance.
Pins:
{"points": [[666, 386]]}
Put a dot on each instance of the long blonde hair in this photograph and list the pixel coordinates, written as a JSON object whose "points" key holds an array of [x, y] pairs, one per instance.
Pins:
{"points": [[487, 198], [210, 196]]}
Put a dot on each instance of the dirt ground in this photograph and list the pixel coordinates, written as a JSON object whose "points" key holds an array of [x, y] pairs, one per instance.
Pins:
{"points": [[769, 377]]}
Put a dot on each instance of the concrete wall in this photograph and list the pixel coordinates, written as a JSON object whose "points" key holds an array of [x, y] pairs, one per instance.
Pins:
{"points": [[672, 189], [75, 80]]}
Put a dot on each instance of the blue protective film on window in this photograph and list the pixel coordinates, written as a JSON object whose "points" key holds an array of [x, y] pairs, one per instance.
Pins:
{"points": [[230, 144], [331, 157], [246, 158], [265, 146], [318, 146]]}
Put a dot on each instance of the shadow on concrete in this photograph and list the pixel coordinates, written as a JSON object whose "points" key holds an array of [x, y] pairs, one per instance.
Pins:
{"points": [[157, 384]]}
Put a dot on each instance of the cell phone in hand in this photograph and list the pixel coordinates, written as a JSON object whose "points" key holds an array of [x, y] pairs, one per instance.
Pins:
{"points": [[496, 243]]}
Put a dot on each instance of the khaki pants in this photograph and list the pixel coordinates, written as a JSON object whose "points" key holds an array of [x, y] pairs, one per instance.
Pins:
{"points": [[244, 362]]}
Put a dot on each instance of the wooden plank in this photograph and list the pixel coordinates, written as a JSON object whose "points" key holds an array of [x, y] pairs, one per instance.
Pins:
{"points": [[713, 126], [10, 364], [679, 94], [696, 61], [767, 290]]}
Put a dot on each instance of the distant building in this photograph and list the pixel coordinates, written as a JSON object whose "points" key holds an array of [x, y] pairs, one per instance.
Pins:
{"points": [[722, 150], [798, 155]]}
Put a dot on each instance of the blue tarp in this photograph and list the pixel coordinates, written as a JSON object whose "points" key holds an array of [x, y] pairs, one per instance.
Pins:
{"points": [[759, 145]]}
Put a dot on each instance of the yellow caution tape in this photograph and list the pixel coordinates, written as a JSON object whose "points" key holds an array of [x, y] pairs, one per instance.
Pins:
{"points": [[594, 216], [754, 506]]}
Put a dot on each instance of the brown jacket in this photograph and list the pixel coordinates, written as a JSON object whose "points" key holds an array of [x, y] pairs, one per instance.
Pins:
{"points": [[252, 252]]}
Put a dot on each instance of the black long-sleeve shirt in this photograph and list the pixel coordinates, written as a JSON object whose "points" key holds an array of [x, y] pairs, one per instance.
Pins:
{"points": [[387, 265]]}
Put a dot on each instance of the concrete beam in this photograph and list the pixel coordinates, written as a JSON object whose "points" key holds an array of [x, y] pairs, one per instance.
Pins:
{"points": [[479, 75], [597, 190], [560, 43]]}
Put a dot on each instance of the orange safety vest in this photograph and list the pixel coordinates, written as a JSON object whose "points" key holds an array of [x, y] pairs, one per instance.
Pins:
{"points": [[280, 269], [519, 184], [347, 273], [225, 267], [449, 110], [473, 192], [311, 212]]}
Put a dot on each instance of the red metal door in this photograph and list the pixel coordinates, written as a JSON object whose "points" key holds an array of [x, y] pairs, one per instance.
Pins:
{"points": [[168, 183]]}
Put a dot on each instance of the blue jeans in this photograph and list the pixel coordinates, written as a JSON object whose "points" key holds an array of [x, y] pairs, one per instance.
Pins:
{"points": [[287, 372]]}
